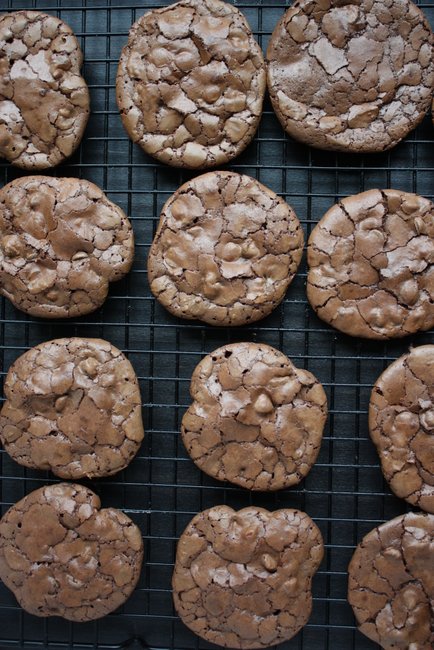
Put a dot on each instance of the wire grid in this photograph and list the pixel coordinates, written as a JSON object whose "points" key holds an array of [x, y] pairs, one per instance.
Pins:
{"points": [[162, 489]]}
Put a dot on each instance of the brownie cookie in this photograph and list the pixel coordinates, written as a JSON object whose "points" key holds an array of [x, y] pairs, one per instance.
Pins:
{"points": [[44, 102], [61, 243], [401, 423], [391, 583], [191, 83], [72, 406], [371, 270], [256, 420], [62, 556], [225, 250], [351, 76], [243, 579]]}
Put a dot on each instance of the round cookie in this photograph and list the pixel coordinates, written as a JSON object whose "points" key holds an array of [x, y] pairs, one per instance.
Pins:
{"points": [[243, 579], [191, 83], [44, 102], [351, 76], [61, 243], [256, 419], [371, 268], [61, 555], [391, 583], [225, 251], [401, 424], [72, 406]]}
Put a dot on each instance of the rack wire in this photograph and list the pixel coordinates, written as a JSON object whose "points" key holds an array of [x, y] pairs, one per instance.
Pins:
{"points": [[162, 489]]}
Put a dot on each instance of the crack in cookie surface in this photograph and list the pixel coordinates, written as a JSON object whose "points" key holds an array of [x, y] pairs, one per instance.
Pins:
{"points": [[61, 243], [61, 555], [371, 270], [44, 102], [225, 251], [243, 579], [391, 583], [191, 83], [256, 420], [401, 424], [351, 75], [72, 406]]}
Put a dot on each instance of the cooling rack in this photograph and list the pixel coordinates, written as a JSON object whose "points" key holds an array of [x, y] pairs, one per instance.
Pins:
{"points": [[162, 489]]}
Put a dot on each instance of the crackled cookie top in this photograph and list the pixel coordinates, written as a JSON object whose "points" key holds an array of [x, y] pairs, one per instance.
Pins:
{"points": [[401, 423], [191, 83], [391, 583], [352, 75], [256, 419], [44, 102], [72, 406], [225, 251], [243, 579], [61, 555], [371, 268], [61, 243]]}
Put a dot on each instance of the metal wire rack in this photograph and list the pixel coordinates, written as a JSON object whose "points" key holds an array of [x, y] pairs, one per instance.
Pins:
{"points": [[162, 489]]}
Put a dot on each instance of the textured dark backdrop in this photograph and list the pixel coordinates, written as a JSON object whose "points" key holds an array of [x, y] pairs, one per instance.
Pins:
{"points": [[162, 489]]}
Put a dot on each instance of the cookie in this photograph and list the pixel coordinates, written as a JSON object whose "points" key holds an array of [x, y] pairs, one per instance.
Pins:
{"points": [[256, 419], [72, 406], [371, 268], [391, 583], [401, 424], [44, 102], [225, 251], [351, 76], [191, 83], [243, 579], [61, 243], [61, 555]]}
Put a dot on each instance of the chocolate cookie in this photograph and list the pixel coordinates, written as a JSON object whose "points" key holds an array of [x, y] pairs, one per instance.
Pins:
{"points": [[401, 423], [72, 406], [391, 583], [62, 556], [256, 420], [191, 83], [351, 76], [371, 265], [225, 250], [44, 102], [243, 579], [61, 243]]}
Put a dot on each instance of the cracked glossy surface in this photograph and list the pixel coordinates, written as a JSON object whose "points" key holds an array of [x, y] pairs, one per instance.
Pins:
{"points": [[243, 579], [391, 583], [351, 75], [44, 102], [61, 555], [256, 419], [225, 250], [370, 263], [401, 423], [61, 243], [191, 83], [72, 406]]}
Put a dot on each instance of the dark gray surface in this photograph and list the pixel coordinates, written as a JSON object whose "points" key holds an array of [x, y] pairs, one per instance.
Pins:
{"points": [[162, 489]]}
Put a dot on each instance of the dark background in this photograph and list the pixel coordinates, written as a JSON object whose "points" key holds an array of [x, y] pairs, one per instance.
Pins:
{"points": [[162, 489]]}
